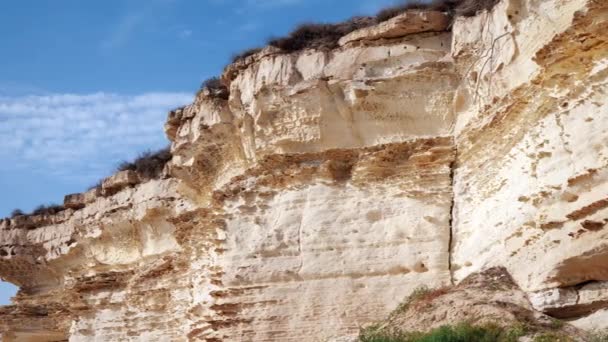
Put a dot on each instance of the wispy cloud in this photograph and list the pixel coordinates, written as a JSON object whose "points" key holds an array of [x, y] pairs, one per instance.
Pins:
{"points": [[83, 135], [133, 21], [185, 33], [123, 32]]}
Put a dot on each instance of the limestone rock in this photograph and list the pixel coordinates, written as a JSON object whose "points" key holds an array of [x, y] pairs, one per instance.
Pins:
{"points": [[572, 301], [488, 297], [119, 181], [80, 200], [410, 22], [328, 185]]}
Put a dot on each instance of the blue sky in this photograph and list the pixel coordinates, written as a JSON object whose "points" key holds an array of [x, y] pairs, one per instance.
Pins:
{"points": [[86, 84]]}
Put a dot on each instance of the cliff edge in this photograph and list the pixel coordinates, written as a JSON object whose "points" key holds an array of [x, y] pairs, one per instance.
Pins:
{"points": [[321, 186]]}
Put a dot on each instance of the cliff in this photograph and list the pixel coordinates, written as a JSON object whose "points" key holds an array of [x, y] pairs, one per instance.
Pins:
{"points": [[327, 185]]}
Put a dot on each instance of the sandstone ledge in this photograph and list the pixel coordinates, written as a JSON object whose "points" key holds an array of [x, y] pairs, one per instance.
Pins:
{"points": [[402, 25]]}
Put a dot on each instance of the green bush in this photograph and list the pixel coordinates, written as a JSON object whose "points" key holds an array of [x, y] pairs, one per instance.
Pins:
{"points": [[460, 333]]}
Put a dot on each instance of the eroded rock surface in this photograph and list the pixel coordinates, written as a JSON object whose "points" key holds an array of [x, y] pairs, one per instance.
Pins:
{"points": [[326, 185]]}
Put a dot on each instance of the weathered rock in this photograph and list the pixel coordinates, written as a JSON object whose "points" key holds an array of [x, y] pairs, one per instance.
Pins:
{"points": [[74, 201], [488, 297], [529, 194], [572, 301], [330, 184], [80, 200], [407, 23], [118, 181]]}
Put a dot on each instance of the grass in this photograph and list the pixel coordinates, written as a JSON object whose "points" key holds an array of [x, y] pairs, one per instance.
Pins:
{"points": [[552, 337], [148, 165], [599, 336], [463, 332], [556, 323]]}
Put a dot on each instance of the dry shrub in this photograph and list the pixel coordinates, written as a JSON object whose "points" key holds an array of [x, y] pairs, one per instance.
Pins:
{"points": [[216, 88], [319, 36], [51, 209], [393, 11], [244, 54], [429, 296], [212, 83], [95, 186], [17, 212], [469, 8], [148, 165], [326, 36], [455, 8]]}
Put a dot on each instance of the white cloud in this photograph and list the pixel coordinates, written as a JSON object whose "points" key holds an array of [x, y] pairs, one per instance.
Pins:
{"points": [[83, 135], [123, 32], [183, 34]]}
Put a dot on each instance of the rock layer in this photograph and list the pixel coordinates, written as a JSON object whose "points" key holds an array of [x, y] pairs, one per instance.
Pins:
{"points": [[329, 184]]}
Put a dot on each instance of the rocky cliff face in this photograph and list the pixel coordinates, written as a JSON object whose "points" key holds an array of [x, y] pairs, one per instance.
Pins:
{"points": [[330, 184]]}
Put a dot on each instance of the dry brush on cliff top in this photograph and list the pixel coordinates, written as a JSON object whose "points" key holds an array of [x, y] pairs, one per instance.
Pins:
{"points": [[50, 209], [148, 165], [324, 36], [455, 8], [215, 88]]}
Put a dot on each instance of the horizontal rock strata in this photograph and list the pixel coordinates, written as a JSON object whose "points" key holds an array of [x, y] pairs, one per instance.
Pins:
{"points": [[319, 188]]}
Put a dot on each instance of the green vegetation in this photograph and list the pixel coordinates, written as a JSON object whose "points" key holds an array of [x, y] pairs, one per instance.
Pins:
{"points": [[599, 336], [459, 333], [552, 337], [556, 323]]}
